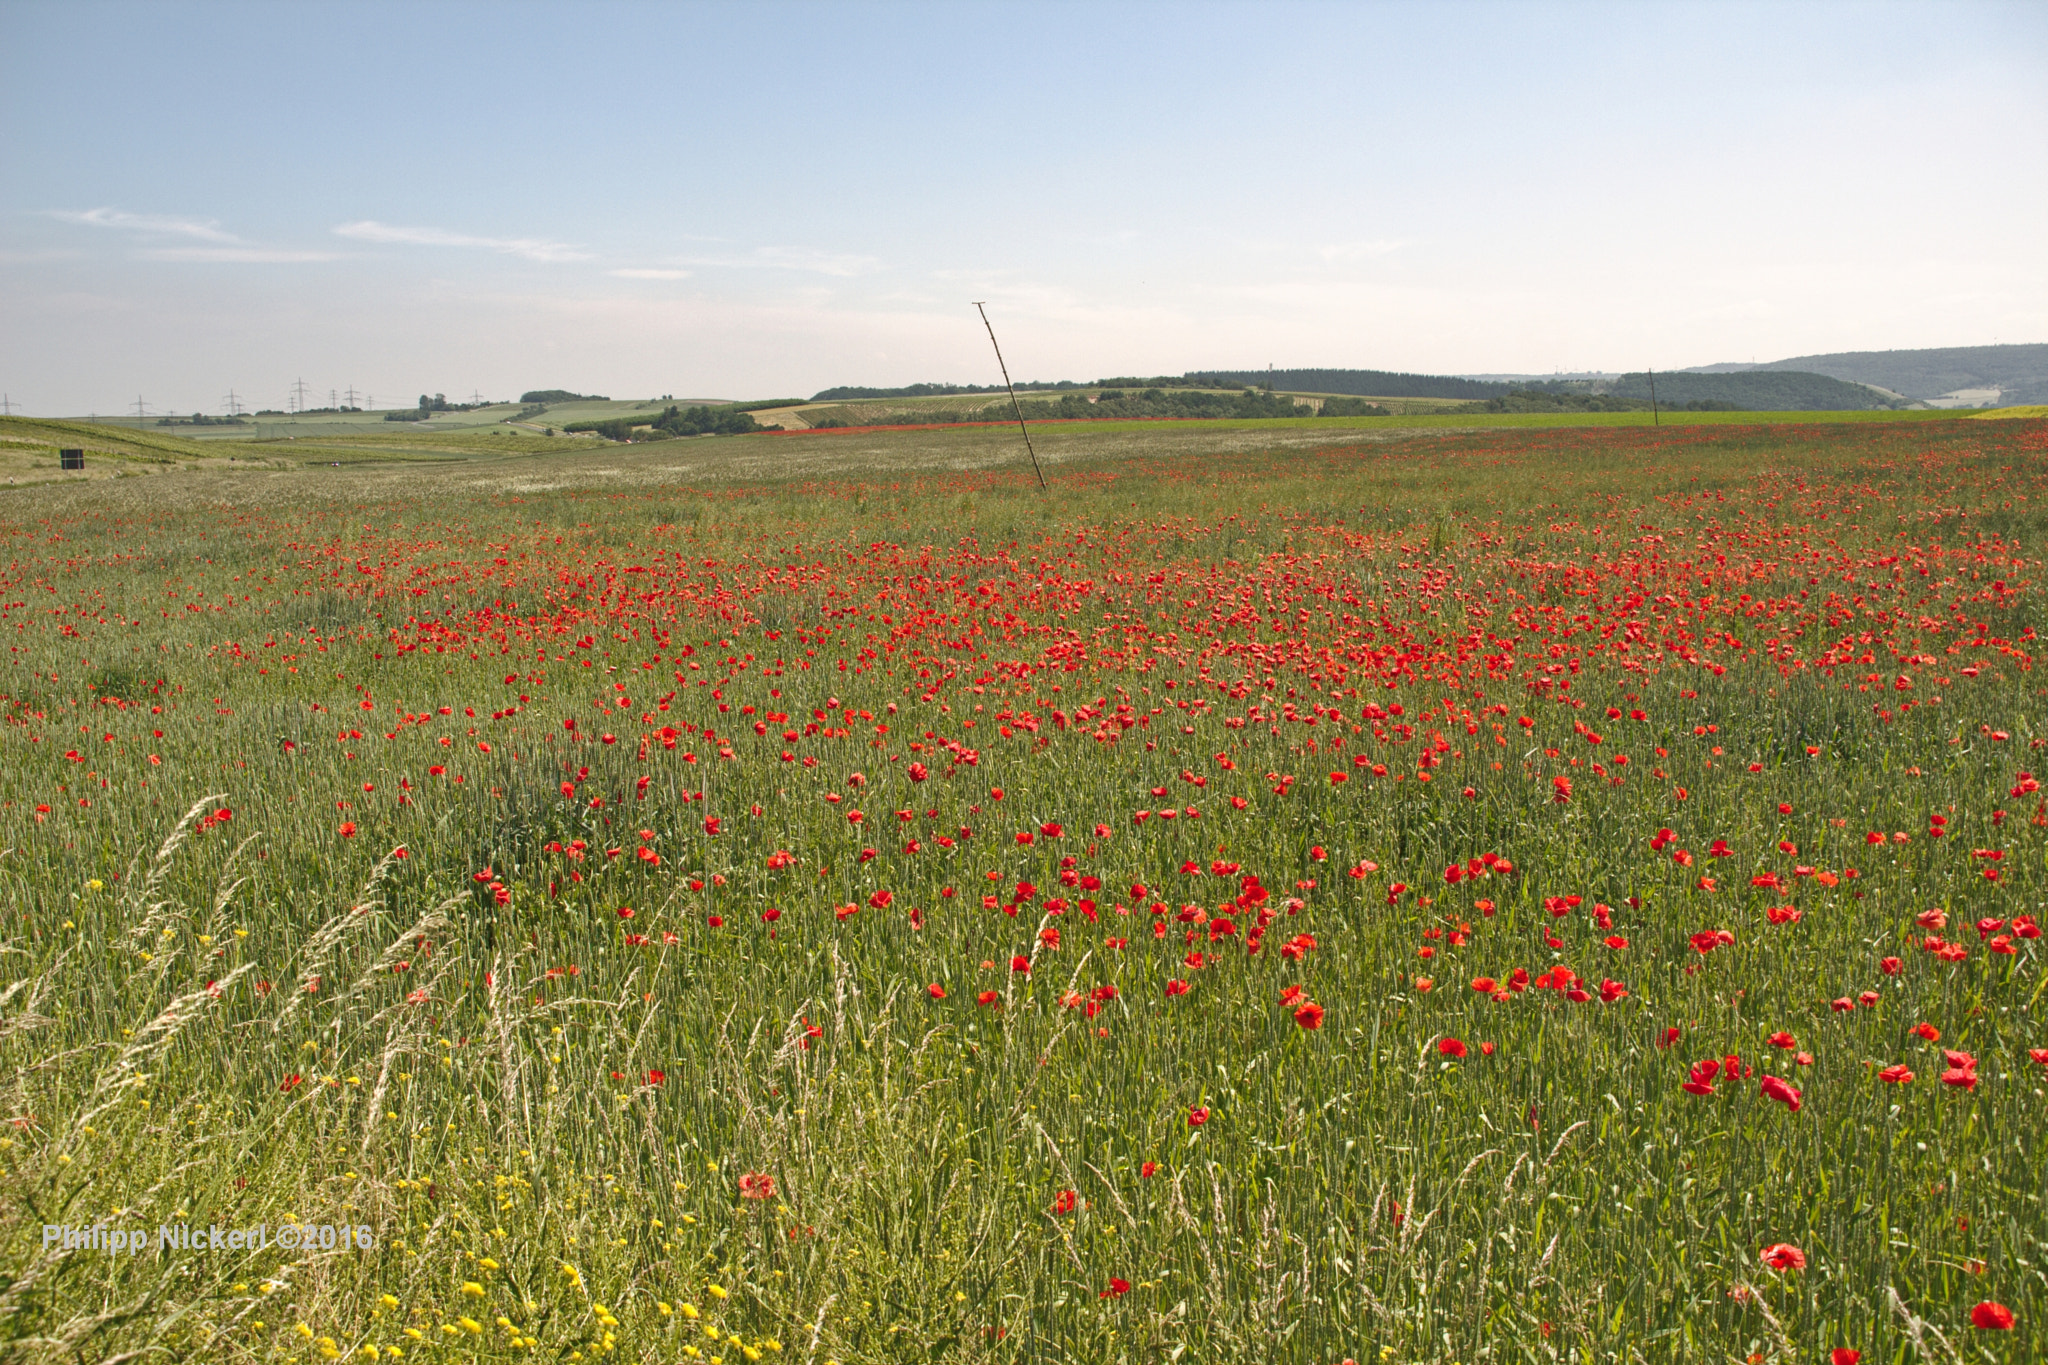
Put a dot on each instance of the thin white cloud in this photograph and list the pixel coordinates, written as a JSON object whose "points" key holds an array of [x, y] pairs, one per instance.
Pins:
{"points": [[633, 274], [526, 248], [235, 255], [42, 257], [1358, 251], [843, 264], [205, 229]]}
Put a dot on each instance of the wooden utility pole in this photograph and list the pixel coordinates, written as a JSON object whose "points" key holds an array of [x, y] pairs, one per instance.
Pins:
{"points": [[1015, 406]]}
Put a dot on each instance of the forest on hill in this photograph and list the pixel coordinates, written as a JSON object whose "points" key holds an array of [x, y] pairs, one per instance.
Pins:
{"points": [[1752, 390], [2019, 372]]}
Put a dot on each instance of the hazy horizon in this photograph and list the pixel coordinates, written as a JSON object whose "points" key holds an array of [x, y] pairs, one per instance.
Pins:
{"points": [[765, 200]]}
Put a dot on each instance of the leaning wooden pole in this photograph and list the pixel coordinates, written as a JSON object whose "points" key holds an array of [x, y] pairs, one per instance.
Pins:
{"points": [[1015, 406]]}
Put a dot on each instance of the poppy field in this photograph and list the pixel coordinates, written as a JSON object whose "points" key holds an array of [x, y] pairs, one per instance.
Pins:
{"points": [[1558, 894]]}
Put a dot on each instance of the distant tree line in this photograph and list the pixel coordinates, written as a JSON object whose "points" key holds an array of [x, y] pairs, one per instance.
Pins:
{"points": [[702, 420], [1753, 390], [1366, 383], [428, 407], [1111, 404], [561, 396], [1157, 402], [849, 391], [1552, 400]]}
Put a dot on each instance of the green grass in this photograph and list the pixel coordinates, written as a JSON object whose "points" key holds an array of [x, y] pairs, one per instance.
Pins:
{"points": [[102, 438], [305, 647]]}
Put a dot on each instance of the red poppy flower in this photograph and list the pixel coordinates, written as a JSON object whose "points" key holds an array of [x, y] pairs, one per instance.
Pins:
{"points": [[1176, 987], [755, 1185], [1896, 1074], [1309, 1016], [1784, 1256], [985, 998], [1782, 1039], [1927, 1031], [1117, 1288], [291, 1081], [1064, 1201], [1020, 964], [1451, 1047], [348, 829], [656, 1077], [1844, 1355], [1991, 1317], [1149, 1169], [1197, 1116], [936, 991], [1775, 1088]]}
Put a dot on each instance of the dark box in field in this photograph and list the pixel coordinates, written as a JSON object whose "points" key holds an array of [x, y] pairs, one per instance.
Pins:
{"points": [[71, 459]]}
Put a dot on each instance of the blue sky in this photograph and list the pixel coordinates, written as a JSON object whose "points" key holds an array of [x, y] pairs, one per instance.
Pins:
{"points": [[764, 199]]}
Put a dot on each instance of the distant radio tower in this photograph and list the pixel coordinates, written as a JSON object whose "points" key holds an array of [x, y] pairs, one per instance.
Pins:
{"points": [[299, 395], [232, 404]]}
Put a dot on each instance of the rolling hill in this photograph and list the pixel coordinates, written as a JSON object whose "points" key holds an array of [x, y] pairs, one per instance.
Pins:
{"points": [[2019, 372], [1755, 390]]}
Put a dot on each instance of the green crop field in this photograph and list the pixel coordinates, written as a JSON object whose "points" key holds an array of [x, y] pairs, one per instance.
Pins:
{"points": [[1417, 889]]}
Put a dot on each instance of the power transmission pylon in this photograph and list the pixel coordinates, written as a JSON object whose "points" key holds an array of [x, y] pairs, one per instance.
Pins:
{"points": [[141, 408], [476, 397], [232, 404], [6, 405], [351, 395], [299, 395]]}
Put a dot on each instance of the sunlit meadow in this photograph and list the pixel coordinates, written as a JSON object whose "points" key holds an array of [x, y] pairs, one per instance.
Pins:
{"points": [[1529, 895]]}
